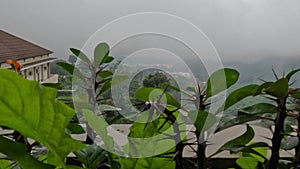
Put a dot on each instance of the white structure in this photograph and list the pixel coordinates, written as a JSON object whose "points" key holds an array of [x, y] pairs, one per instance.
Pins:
{"points": [[35, 59]]}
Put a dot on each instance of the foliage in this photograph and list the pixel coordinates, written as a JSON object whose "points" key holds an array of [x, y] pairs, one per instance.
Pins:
{"points": [[33, 112], [41, 117]]}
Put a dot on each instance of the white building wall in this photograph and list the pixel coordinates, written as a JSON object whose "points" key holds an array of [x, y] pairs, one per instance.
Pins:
{"points": [[45, 71], [30, 74], [39, 73]]}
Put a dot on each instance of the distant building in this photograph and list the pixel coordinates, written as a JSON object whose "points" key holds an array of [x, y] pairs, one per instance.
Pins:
{"points": [[35, 59]]}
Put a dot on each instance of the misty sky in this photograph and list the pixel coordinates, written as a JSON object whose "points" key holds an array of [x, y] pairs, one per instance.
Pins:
{"points": [[239, 29]]}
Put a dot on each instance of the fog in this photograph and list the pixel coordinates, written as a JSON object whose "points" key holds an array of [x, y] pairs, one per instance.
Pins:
{"points": [[241, 30]]}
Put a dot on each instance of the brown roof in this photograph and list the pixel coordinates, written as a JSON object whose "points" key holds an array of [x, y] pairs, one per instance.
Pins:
{"points": [[12, 47]]}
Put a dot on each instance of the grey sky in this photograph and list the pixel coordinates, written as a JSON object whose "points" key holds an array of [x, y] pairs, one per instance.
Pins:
{"points": [[239, 29]]}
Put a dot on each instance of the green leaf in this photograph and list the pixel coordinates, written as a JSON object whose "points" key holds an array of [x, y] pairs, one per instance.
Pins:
{"points": [[191, 89], [250, 113], [100, 53], [81, 55], [100, 126], [70, 69], [53, 85], [220, 81], [32, 109], [105, 74], [202, 119], [290, 74], [165, 85], [92, 156], [106, 107], [105, 87], [118, 79], [108, 59], [75, 128], [247, 162], [260, 108], [159, 136], [18, 152], [296, 95], [262, 87], [238, 143], [240, 119], [153, 94], [257, 150], [66, 66], [5, 164], [289, 143], [239, 95], [279, 89], [261, 152]]}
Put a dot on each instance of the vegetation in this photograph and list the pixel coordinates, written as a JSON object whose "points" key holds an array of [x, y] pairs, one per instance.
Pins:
{"points": [[42, 123]]}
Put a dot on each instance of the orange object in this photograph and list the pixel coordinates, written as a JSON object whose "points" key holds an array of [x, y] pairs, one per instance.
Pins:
{"points": [[15, 65]]}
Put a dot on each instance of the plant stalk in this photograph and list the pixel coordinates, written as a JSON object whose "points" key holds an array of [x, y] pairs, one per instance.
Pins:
{"points": [[278, 134], [92, 101], [201, 148], [179, 145], [297, 148]]}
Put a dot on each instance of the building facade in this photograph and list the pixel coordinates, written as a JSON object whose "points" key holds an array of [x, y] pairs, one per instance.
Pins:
{"points": [[35, 59]]}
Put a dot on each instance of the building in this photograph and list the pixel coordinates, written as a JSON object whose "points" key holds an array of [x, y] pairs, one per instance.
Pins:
{"points": [[35, 59]]}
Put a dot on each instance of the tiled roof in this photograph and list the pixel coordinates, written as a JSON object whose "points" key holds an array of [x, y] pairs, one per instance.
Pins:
{"points": [[12, 47]]}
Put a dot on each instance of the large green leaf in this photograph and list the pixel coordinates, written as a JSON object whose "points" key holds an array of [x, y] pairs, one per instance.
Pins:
{"points": [[100, 53], [279, 89], [240, 119], [143, 130], [155, 138], [18, 152], [238, 143], [153, 94], [296, 95], [250, 113], [239, 95], [291, 73], [260, 108], [108, 59], [32, 109], [66, 66], [262, 87], [71, 69], [252, 155], [220, 81], [81, 55], [5, 164], [289, 143], [257, 150], [75, 128], [202, 119], [53, 85], [100, 126], [92, 156], [105, 74], [247, 162]]}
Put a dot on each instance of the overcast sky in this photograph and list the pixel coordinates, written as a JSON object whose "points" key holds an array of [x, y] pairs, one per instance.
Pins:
{"points": [[239, 29]]}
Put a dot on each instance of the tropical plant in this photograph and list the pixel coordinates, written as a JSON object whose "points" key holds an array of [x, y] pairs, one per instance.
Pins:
{"points": [[42, 125], [278, 113]]}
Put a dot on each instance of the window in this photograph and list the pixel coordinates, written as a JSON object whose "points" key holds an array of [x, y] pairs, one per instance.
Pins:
{"points": [[30, 73], [45, 67]]}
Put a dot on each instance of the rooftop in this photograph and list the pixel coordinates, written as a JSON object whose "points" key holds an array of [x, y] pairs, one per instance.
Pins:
{"points": [[13, 47]]}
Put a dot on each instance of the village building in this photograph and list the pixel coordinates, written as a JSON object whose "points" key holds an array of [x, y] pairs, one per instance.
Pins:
{"points": [[35, 59]]}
